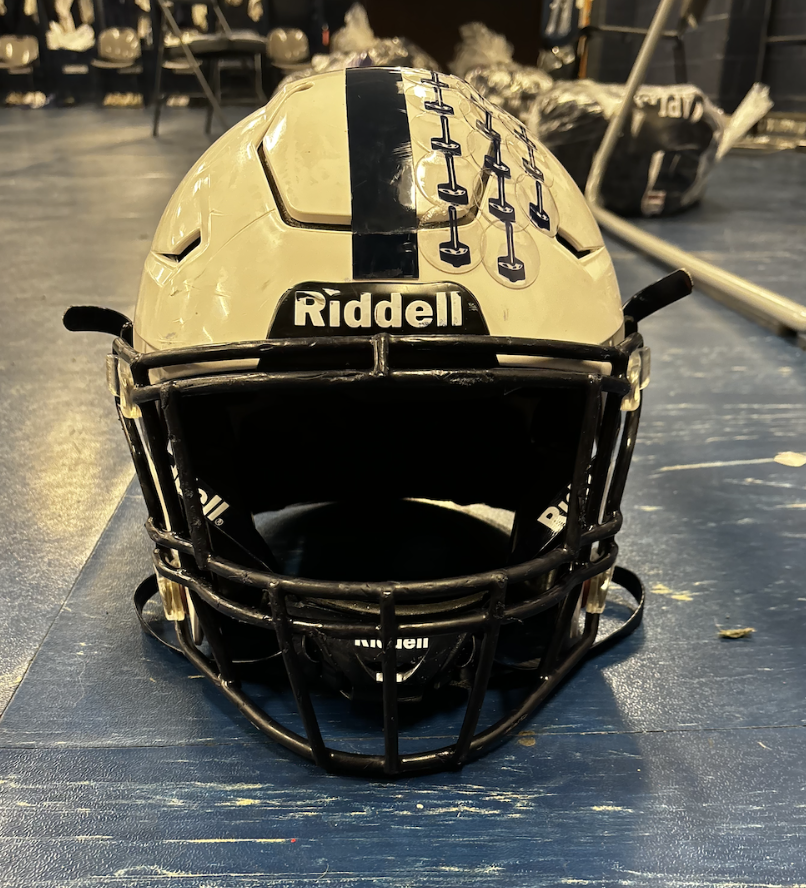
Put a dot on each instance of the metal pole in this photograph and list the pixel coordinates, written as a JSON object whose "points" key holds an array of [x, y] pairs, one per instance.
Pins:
{"points": [[764, 306]]}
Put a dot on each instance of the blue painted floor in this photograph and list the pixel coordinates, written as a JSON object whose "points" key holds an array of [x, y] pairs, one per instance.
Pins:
{"points": [[677, 759], [751, 222]]}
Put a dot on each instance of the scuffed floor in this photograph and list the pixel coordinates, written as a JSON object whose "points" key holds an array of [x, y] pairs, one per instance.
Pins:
{"points": [[676, 759]]}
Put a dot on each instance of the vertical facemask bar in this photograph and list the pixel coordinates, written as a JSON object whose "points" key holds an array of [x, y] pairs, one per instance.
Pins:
{"points": [[623, 460], [579, 504], [212, 633], [196, 523], [168, 514], [579, 483], [155, 442], [562, 630], [484, 668], [141, 466], [605, 452], [299, 686], [391, 762], [591, 624]]}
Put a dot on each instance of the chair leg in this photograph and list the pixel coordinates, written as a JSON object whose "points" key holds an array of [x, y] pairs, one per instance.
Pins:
{"points": [[259, 93], [215, 71], [157, 104], [98, 86], [157, 96]]}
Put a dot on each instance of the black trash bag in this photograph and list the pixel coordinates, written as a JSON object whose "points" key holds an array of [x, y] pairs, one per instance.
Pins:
{"points": [[662, 159]]}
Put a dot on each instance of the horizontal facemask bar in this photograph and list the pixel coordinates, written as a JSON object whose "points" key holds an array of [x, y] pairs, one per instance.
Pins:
{"points": [[381, 348], [477, 619], [374, 592], [243, 382]]}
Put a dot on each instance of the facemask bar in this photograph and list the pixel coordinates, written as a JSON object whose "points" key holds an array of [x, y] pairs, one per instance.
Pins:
{"points": [[184, 553]]}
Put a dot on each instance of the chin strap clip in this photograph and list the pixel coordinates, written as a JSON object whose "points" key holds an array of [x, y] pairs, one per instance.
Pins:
{"points": [[638, 370], [598, 587], [630, 583], [173, 598], [121, 383]]}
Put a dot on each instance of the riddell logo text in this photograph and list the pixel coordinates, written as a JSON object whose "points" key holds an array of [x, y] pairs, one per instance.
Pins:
{"points": [[213, 507], [555, 516], [359, 308], [407, 644], [368, 311]]}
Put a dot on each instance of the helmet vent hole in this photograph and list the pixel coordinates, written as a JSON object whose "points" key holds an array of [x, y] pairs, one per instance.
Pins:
{"points": [[185, 251], [563, 241]]}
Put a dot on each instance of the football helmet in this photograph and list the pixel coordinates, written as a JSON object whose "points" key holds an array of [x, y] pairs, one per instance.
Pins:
{"points": [[381, 396]]}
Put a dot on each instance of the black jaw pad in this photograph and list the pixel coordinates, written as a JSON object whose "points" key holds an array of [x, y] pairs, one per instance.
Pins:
{"points": [[658, 295], [94, 319]]}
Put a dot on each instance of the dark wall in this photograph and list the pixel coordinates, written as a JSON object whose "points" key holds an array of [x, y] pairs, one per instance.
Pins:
{"points": [[705, 47], [434, 24], [724, 54], [784, 64], [742, 53]]}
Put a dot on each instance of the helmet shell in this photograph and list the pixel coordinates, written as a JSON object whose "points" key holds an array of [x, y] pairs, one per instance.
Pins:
{"points": [[326, 175]]}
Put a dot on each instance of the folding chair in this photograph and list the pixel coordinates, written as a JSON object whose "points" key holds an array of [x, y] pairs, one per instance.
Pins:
{"points": [[117, 50], [18, 56], [19, 47], [771, 40], [203, 54]]}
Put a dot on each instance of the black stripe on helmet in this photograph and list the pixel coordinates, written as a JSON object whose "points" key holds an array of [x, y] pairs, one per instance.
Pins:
{"points": [[384, 217]]}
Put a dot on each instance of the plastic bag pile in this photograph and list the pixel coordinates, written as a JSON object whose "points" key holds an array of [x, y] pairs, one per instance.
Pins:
{"points": [[484, 60]]}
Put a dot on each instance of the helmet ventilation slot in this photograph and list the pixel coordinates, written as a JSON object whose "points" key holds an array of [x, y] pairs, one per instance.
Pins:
{"points": [[194, 242], [563, 241]]}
